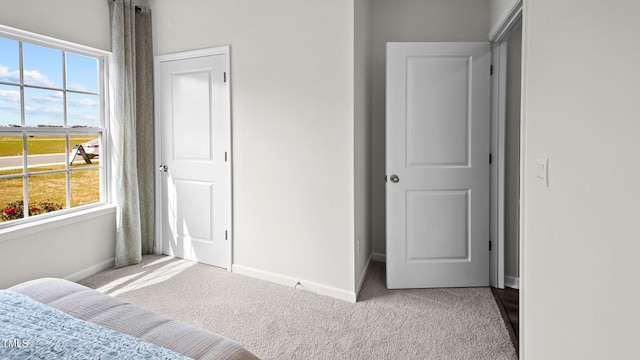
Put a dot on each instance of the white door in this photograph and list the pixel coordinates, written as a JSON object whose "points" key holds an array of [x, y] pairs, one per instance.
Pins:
{"points": [[437, 164], [195, 171]]}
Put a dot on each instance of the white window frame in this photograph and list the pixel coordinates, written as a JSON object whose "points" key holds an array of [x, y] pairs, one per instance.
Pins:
{"points": [[104, 67]]}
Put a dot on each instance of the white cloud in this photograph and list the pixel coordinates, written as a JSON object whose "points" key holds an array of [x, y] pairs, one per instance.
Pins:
{"points": [[15, 108], [53, 111], [10, 96], [83, 102], [77, 87], [47, 104], [13, 76], [53, 98], [33, 77]]}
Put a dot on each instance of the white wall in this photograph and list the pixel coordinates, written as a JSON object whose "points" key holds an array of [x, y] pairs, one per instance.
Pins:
{"points": [[580, 268], [292, 66], [69, 249], [411, 20], [84, 22], [362, 116], [72, 247], [512, 155]]}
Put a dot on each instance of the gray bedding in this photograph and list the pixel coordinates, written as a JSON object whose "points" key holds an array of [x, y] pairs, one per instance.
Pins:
{"points": [[33, 330], [90, 305]]}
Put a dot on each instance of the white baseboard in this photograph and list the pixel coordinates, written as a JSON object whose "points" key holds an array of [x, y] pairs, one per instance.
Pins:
{"points": [[302, 284], [379, 257], [512, 282], [92, 270], [363, 276]]}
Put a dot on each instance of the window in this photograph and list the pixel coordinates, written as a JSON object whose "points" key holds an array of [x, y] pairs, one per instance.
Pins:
{"points": [[53, 110]]}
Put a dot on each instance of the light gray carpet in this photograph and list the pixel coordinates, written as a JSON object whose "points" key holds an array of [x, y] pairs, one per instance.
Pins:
{"points": [[278, 322]]}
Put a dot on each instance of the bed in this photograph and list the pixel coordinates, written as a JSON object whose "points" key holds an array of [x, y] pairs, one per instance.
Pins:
{"points": [[50, 317]]}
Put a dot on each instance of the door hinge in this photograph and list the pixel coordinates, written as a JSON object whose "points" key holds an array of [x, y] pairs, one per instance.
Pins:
{"points": [[225, 76], [491, 70], [226, 235], [490, 158], [225, 156], [385, 178], [489, 245]]}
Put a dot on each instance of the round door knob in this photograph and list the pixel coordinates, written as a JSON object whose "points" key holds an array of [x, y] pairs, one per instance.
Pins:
{"points": [[394, 178]]}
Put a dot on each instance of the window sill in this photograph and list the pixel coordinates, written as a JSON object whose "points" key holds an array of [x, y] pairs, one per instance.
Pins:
{"points": [[40, 225]]}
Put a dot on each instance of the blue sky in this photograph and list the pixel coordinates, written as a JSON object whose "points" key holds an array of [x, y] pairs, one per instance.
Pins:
{"points": [[44, 67]]}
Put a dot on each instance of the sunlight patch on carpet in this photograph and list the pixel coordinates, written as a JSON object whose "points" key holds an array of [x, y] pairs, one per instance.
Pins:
{"points": [[143, 279]]}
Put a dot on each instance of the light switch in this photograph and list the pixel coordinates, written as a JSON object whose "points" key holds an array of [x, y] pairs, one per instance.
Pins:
{"points": [[542, 170]]}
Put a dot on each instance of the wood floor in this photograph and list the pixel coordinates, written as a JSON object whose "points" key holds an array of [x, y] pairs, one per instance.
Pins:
{"points": [[508, 302]]}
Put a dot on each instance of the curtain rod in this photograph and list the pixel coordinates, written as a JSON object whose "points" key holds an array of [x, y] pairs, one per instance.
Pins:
{"points": [[139, 10]]}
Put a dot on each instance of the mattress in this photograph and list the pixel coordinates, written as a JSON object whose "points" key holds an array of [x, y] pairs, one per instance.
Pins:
{"points": [[87, 304]]}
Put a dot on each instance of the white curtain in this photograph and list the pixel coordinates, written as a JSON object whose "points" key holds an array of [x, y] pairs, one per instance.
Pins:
{"points": [[132, 130]]}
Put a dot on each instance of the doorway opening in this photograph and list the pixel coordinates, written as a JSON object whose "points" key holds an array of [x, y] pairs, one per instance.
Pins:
{"points": [[509, 296], [506, 103]]}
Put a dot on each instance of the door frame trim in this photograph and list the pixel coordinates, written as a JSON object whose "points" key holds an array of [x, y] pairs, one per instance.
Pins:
{"points": [[510, 21], [158, 59], [499, 37], [498, 119]]}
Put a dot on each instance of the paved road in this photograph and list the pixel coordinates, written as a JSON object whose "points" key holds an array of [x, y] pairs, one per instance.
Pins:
{"points": [[16, 161]]}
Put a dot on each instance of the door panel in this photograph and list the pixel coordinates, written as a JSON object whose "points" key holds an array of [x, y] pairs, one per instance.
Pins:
{"points": [[196, 187], [194, 216], [438, 141], [446, 227], [192, 134], [437, 130]]}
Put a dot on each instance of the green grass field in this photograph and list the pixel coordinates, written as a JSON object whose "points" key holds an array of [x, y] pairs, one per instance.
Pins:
{"points": [[12, 145], [85, 185]]}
